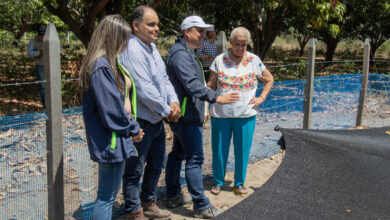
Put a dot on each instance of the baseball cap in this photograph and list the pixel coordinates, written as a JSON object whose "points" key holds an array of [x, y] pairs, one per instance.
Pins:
{"points": [[195, 21], [41, 29]]}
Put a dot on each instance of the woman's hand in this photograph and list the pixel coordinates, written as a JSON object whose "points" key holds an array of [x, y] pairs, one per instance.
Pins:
{"points": [[139, 137], [257, 101], [228, 98], [207, 116]]}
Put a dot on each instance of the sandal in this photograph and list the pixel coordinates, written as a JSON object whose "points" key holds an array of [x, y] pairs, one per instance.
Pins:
{"points": [[240, 190], [216, 189]]}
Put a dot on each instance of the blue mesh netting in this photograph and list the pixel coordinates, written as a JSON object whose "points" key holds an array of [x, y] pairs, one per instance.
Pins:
{"points": [[23, 167], [23, 185]]}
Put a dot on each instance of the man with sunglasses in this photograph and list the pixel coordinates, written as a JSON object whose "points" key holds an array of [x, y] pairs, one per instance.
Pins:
{"points": [[187, 77]]}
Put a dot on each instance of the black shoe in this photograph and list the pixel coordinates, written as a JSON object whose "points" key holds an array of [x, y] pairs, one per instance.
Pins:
{"points": [[177, 201], [207, 213]]}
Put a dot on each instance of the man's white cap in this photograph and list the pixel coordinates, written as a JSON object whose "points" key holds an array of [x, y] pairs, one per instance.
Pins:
{"points": [[195, 21]]}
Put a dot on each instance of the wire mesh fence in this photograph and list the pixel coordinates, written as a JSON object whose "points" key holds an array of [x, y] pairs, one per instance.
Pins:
{"points": [[23, 172]]}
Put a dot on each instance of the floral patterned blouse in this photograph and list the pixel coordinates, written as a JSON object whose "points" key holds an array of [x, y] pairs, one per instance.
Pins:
{"points": [[241, 78]]}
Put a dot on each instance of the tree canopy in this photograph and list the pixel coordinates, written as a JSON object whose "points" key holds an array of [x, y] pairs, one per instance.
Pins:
{"points": [[329, 20], [18, 16]]}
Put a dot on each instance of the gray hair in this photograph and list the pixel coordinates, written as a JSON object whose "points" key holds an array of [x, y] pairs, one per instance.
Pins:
{"points": [[240, 31]]}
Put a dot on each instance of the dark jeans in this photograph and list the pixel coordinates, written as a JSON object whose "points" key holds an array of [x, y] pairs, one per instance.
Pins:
{"points": [[41, 77], [187, 145], [151, 150]]}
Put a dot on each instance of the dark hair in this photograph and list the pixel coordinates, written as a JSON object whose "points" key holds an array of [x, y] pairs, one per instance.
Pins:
{"points": [[138, 14], [41, 29]]}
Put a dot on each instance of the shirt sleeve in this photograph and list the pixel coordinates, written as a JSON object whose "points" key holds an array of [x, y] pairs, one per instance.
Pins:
{"points": [[184, 68], [259, 67], [147, 93], [110, 105], [172, 97], [30, 50]]}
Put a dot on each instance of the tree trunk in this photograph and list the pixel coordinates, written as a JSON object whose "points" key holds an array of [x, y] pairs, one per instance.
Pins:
{"points": [[256, 36], [331, 44], [256, 40], [83, 24], [302, 41], [270, 28], [375, 44]]}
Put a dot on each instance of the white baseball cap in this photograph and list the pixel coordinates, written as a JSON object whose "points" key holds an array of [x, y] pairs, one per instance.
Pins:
{"points": [[195, 21]]}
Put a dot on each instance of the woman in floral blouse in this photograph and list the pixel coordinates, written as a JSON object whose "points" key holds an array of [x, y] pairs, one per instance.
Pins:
{"points": [[236, 71]]}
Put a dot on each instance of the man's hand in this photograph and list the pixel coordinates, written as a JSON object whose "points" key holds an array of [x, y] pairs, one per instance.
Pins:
{"points": [[41, 52], [209, 57], [257, 101], [175, 112], [139, 137], [228, 98]]}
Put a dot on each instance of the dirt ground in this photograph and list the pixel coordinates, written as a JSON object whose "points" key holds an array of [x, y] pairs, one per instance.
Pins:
{"points": [[257, 174]]}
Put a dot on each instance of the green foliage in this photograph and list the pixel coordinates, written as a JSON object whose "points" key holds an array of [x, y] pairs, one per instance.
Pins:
{"points": [[71, 92], [369, 19], [291, 72], [73, 52], [20, 16]]}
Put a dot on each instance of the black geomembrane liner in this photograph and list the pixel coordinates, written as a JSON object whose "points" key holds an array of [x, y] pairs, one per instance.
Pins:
{"points": [[325, 174]]}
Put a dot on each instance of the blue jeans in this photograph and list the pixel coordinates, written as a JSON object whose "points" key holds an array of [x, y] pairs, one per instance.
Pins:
{"points": [[187, 145], [110, 176], [222, 130], [41, 77], [151, 150]]}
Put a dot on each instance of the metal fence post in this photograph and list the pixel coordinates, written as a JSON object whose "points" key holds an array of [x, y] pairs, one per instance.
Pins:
{"points": [[363, 90], [308, 101], [222, 45], [53, 102]]}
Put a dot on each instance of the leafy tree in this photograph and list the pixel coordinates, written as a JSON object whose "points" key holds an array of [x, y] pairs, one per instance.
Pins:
{"points": [[83, 16], [329, 23], [171, 13], [266, 19], [18, 16], [302, 29], [321, 19], [369, 19]]}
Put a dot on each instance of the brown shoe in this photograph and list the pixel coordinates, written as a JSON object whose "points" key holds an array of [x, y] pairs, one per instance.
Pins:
{"points": [[240, 190], [136, 215], [152, 211]]}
